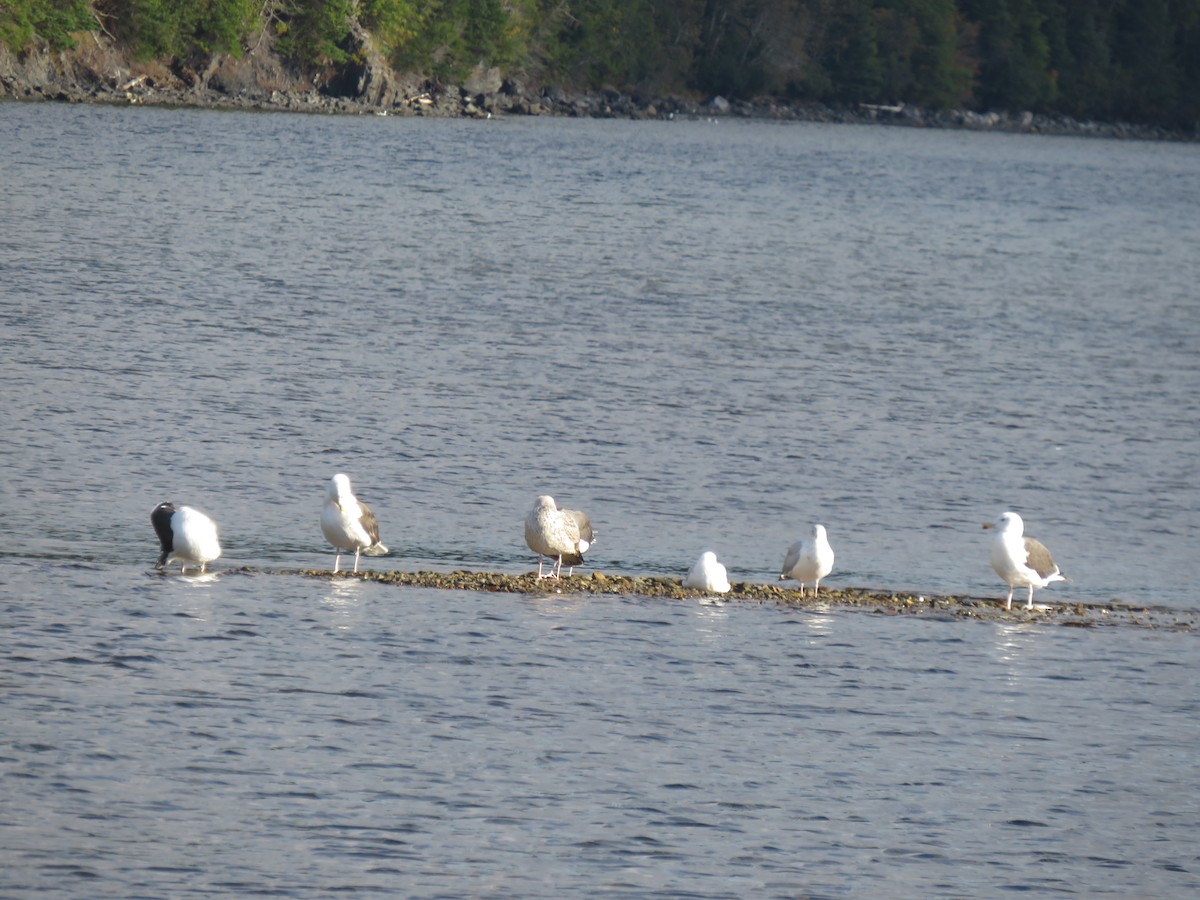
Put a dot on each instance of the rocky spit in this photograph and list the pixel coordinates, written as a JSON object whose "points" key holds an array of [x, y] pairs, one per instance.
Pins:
{"points": [[888, 603], [96, 71]]}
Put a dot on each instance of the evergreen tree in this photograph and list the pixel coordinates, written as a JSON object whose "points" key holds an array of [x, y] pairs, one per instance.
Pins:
{"points": [[1146, 75], [1013, 54]]}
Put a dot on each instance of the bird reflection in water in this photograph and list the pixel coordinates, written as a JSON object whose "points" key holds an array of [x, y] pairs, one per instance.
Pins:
{"points": [[1012, 640], [712, 614], [344, 601], [819, 625]]}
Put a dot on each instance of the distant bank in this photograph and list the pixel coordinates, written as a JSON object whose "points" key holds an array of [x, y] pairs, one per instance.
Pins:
{"points": [[98, 72]]}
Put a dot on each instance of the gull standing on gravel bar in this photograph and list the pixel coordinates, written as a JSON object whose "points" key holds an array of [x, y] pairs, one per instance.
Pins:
{"points": [[348, 523], [564, 535], [708, 575], [1020, 560], [186, 535], [810, 559]]}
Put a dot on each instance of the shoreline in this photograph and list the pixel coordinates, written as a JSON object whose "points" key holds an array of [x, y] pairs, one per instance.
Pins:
{"points": [[946, 607], [557, 103], [97, 72]]}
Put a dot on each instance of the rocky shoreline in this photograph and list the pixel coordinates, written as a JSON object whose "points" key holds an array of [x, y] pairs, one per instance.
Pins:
{"points": [[96, 71], [890, 603]]}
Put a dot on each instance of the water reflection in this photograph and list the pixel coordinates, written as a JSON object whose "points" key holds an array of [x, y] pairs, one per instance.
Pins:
{"points": [[1011, 647], [200, 579], [558, 604], [343, 590], [819, 624], [343, 599], [195, 579], [712, 614], [198, 606]]}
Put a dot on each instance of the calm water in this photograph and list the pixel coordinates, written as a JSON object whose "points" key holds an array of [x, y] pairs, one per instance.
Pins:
{"points": [[707, 336]]}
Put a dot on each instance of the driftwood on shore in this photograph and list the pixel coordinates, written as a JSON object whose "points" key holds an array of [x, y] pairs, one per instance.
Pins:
{"points": [[889, 603]]}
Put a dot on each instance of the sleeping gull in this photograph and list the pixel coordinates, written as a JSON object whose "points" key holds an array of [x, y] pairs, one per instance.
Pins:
{"points": [[708, 575], [1020, 560], [558, 534], [348, 523], [810, 559], [186, 535]]}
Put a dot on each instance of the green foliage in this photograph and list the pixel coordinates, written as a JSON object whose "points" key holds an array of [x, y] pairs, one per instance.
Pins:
{"points": [[603, 42], [1134, 59], [1081, 56], [447, 38], [179, 28], [847, 66], [732, 57], [888, 50], [1186, 16], [1013, 53], [16, 30], [55, 20], [1125, 59], [226, 26], [394, 23], [153, 27], [941, 75], [315, 32], [1147, 73], [50, 21]]}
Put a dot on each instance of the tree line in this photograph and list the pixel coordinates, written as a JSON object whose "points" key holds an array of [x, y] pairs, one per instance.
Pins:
{"points": [[1135, 60]]}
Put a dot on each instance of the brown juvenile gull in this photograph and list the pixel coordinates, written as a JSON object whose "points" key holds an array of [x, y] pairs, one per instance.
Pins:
{"points": [[558, 534], [1020, 560], [809, 559], [348, 523], [186, 535]]}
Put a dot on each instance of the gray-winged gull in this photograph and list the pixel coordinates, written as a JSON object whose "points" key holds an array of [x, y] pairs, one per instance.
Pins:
{"points": [[810, 559]]}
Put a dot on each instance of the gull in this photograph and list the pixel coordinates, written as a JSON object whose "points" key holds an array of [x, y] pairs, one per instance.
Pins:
{"points": [[1020, 560], [564, 535], [708, 575], [348, 523], [186, 535], [809, 559]]}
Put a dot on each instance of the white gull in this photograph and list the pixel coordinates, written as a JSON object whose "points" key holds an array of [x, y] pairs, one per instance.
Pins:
{"points": [[348, 523], [809, 559], [708, 575], [1021, 561], [186, 535]]}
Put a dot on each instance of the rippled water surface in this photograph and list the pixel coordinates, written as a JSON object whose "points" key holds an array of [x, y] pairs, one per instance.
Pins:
{"points": [[706, 335], [275, 734]]}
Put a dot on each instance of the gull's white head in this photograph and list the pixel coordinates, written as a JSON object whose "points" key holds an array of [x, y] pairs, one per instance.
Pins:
{"points": [[339, 486], [1008, 524], [818, 532], [545, 502]]}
